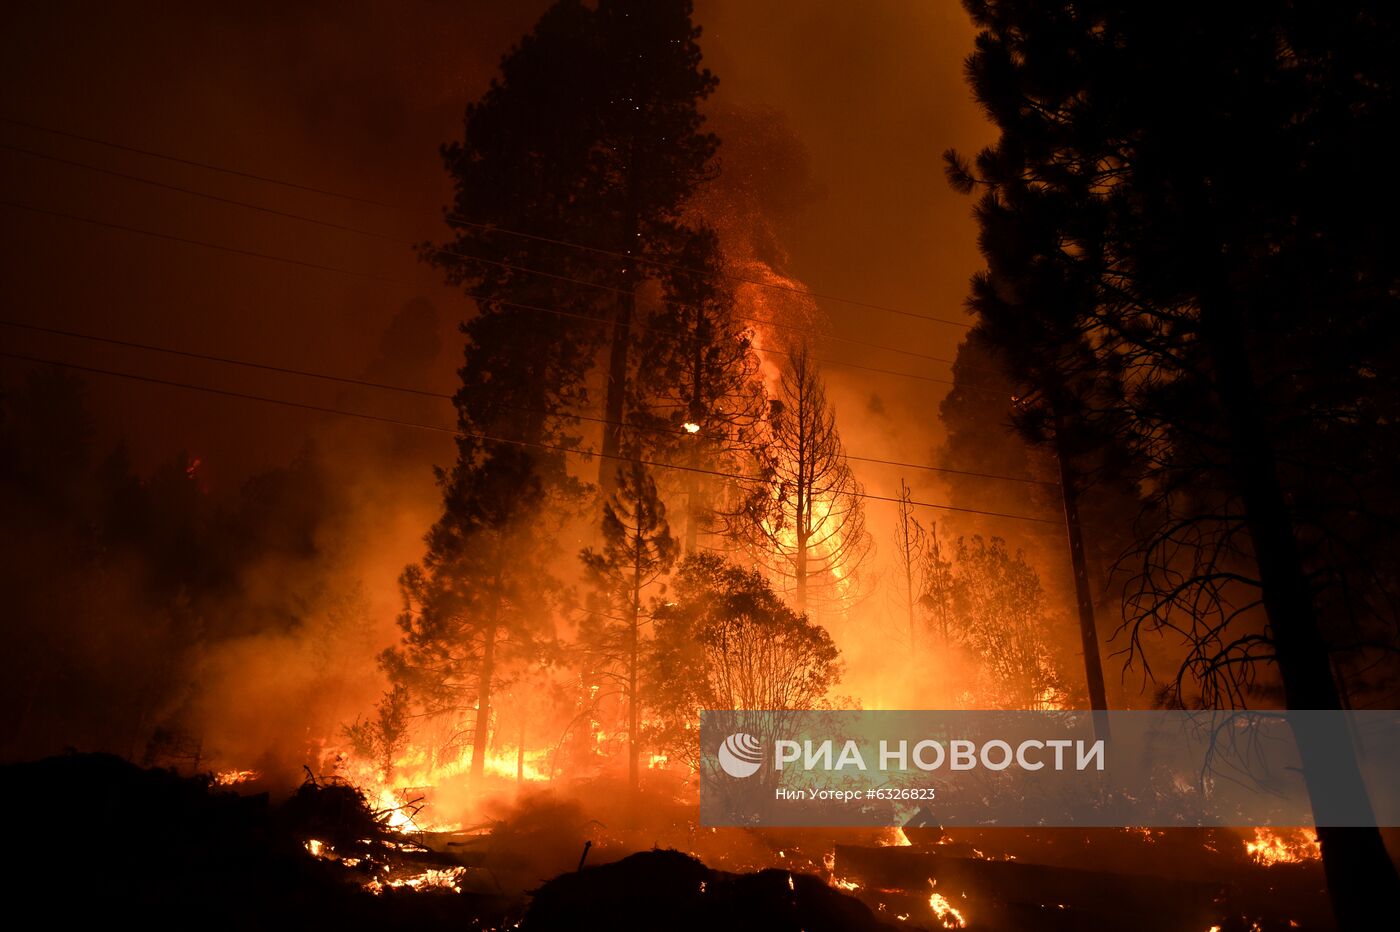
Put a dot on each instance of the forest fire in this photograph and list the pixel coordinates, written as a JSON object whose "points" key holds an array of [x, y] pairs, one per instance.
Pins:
{"points": [[582, 430]]}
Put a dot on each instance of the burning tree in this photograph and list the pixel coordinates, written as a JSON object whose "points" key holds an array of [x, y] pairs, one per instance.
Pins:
{"points": [[478, 602], [592, 136], [911, 547], [726, 640], [925, 577], [637, 549], [384, 737], [698, 399], [806, 520], [999, 608]]}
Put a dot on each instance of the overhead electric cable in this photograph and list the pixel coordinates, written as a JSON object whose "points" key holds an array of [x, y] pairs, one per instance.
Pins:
{"points": [[855, 302], [404, 282], [447, 396], [484, 438], [404, 241]]}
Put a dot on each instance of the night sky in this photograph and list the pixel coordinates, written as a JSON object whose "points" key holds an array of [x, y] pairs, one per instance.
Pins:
{"points": [[355, 98]]}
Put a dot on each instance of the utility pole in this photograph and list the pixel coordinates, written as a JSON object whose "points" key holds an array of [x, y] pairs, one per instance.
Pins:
{"points": [[1088, 632], [907, 548]]}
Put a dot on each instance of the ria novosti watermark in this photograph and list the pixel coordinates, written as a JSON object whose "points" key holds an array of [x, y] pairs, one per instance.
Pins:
{"points": [[1049, 768], [929, 755]]}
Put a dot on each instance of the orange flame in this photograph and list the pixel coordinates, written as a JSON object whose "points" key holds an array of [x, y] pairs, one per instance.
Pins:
{"points": [[1287, 846]]}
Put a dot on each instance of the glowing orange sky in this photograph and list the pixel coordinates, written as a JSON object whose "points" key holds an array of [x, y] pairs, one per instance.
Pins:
{"points": [[357, 97]]}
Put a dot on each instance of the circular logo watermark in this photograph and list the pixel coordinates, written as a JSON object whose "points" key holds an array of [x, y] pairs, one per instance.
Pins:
{"points": [[741, 755]]}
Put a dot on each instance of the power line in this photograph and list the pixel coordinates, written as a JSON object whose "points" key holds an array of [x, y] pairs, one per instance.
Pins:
{"points": [[389, 237], [508, 266], [302, 187], [658, 263], [485, 438], [195, 192], [228, 360], [191, 162], [445, 396], [404, 282], [171, 237]]}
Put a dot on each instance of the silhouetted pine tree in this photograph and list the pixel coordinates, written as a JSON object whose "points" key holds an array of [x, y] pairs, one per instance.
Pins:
{"points": [[592, 136], [698, 397], [637, 550], [1168, 235], [477, 607]]}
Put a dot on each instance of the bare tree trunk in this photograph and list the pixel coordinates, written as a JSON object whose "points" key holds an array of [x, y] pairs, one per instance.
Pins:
{"points": [[906, 547], [697, 417], [1361, 877], [800, 572], [633, 662], [940, 582], [617, 390], [615, 407], [482, 728], [803, 523], [692, 500], [483, 705]]}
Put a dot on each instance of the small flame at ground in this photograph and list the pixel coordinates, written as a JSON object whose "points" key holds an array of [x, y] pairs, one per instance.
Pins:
{"points": [[946, 912], [232, 777], [894, 838], [1286, 846], [447, 879], [405, 802]]}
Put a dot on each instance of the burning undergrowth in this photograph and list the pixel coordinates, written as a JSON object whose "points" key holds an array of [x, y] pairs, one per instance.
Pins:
{"points": [[1144, 878], [95, 831], [147, 841]]}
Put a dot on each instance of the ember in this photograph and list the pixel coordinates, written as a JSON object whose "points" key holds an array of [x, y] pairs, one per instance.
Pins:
{"points": [[442, 879]]}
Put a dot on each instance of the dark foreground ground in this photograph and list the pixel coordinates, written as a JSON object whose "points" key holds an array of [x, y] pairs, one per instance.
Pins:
{"points": [[92, 835]]}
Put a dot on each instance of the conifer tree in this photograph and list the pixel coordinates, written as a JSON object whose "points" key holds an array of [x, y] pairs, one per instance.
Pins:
{"points": [[592, 137], [699, 400], [805, 520], [1168, 242], [637, 550]]}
